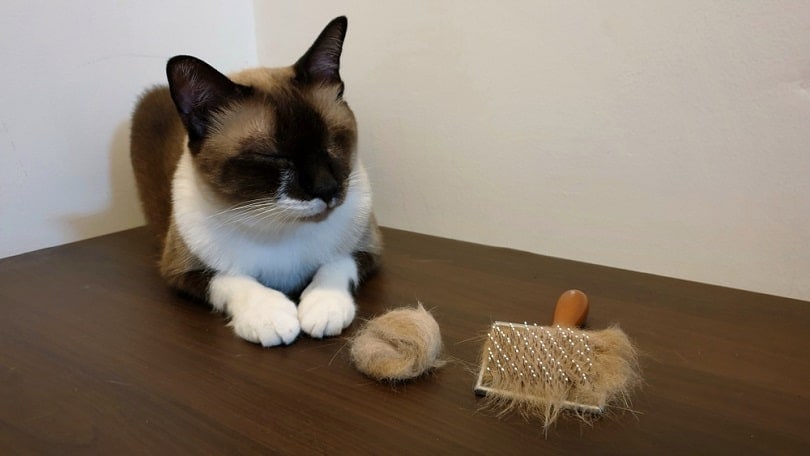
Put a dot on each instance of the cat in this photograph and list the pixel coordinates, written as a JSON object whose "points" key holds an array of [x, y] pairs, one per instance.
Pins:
{"points": [[254, 188]]}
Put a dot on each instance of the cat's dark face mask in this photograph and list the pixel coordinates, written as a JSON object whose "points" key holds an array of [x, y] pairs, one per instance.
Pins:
{"points": [[274, 135]]}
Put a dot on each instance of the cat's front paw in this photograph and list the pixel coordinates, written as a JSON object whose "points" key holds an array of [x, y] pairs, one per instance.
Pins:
{"points": [[325, 312], [265, 317], [258, 314]]}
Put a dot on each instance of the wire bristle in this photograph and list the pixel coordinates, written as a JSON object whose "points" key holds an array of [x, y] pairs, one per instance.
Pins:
{"points": [[540, 370]]}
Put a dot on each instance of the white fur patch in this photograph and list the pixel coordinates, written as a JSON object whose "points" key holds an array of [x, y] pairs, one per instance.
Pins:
{"points": [[258, 314], [327, 306]]}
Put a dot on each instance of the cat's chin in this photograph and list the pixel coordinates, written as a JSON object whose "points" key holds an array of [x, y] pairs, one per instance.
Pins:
{"points": [[317, 217], [314, 210]]}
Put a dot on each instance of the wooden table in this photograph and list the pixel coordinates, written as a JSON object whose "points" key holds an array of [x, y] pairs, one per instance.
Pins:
{"points": [[97, 356]]}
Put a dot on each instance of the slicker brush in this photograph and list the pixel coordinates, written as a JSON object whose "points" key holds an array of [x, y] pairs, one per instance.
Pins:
{"points": [[542, 370]]}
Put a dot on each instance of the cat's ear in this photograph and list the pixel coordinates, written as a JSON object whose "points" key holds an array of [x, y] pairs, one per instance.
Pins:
{"points": [[198, 90], [321, 63]]}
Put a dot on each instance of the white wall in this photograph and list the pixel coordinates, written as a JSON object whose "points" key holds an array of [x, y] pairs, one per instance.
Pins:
{"points": [[666, 137], [658, 136], [71, 72]]}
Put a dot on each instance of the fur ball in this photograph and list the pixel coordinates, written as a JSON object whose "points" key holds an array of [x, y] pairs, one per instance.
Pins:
{"points": [[399, 345]]}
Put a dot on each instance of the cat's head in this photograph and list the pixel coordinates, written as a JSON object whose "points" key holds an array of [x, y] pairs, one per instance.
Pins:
{"points": [[282, 137]]}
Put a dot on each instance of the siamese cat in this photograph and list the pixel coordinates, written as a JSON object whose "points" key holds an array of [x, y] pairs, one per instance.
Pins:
{"points": [[255, 190]]}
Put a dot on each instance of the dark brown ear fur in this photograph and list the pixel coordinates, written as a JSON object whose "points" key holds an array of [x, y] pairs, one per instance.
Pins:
{"points": [[198, 90], [321, 63]]}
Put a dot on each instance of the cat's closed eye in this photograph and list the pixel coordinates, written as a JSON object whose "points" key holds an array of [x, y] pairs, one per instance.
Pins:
{"points": [[341, 140], [267, 156]]}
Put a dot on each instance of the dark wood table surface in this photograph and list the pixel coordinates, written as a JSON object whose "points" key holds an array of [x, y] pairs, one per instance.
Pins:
{"points": [[98, 357]]}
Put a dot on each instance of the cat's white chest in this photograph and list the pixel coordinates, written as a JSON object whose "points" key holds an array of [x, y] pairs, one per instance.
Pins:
{"points": [[281, 258]]}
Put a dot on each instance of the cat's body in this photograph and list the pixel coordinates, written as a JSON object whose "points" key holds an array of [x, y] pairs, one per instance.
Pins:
{"points": [[256, 193]]}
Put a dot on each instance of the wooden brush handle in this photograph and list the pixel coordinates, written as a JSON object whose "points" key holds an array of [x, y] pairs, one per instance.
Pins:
{"points": [[571, 310]]}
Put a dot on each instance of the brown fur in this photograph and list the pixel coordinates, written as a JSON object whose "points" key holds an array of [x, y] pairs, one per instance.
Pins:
{"points": [[157, 143]]}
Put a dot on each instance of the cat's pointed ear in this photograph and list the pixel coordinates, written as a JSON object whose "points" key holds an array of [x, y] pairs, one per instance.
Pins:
{"points": [[198, 90], [321, 63]]}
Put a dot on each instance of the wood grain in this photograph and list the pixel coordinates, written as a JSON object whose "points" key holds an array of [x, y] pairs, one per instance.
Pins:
{"points": [[97, 356]]}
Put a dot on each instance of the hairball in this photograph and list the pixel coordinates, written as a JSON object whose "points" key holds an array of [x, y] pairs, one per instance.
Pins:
{"points": [[401, 344]]}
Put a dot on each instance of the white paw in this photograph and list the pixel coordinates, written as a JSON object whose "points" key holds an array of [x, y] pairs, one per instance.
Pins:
{"points": [[325, 311], [267, 322], [258, 314]]}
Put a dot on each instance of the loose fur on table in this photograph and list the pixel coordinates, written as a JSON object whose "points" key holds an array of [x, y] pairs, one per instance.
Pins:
{"points": [[399, 345], [539, 371]]}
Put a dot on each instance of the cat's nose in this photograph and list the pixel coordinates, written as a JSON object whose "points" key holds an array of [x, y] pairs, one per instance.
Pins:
{"points": [[326, 188]]}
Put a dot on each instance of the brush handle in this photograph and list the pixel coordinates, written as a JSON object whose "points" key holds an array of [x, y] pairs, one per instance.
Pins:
{"points": [[571, 310]]}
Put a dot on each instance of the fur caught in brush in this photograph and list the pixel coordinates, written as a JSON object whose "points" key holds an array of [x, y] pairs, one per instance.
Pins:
{"points": [[539, 371]]}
